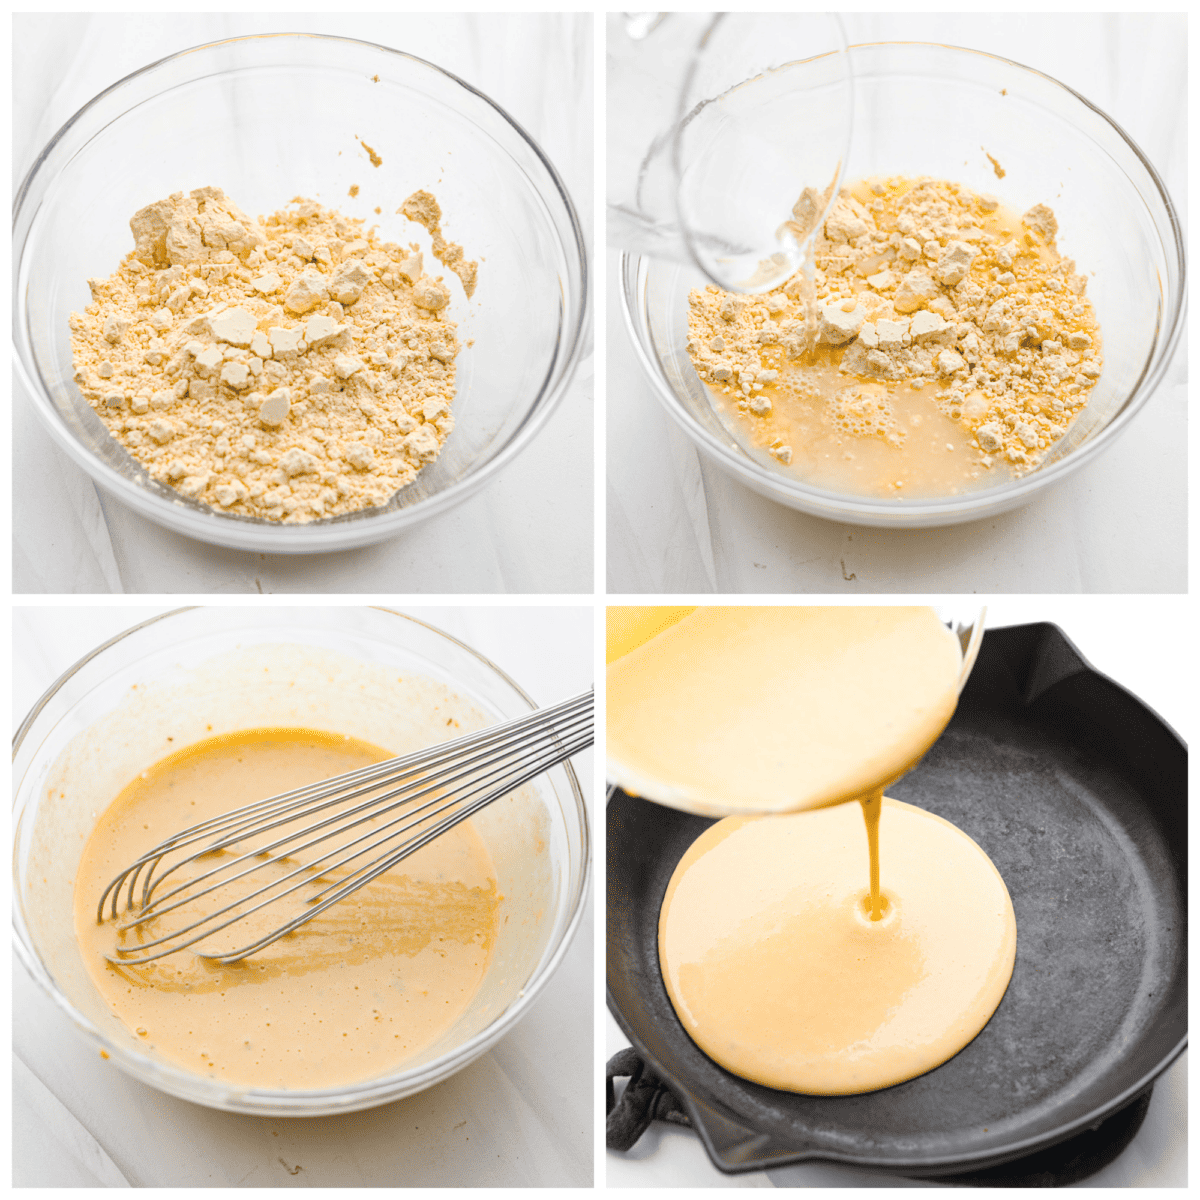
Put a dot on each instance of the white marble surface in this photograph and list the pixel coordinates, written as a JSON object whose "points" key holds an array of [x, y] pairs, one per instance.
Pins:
{"points": [[1119, 638], [678, 524], [523, 1115], [70, 537]]}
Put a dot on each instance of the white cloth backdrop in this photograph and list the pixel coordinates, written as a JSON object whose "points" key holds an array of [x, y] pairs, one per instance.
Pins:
{"points": [[523, 1115], [529, 530], [1117, 636], [677, 523]]}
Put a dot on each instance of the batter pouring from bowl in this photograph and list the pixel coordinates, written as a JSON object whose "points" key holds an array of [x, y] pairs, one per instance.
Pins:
{"points": [[780, 964]]}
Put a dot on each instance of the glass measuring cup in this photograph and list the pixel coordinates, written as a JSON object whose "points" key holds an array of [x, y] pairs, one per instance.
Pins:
{"points": [[727, 133], [633, 626]]}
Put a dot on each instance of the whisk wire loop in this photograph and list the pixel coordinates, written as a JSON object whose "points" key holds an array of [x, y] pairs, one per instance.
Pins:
{"points": [[430, 792], [368, 811], [236, 824]]}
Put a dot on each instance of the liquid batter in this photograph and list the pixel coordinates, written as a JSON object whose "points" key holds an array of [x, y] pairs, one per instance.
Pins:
{"points": [[352, 995], [766, 709], [629, 626], [777, 971]]}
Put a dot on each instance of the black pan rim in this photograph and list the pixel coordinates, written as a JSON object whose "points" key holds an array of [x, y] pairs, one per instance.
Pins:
{"points": [[943, 1166]]}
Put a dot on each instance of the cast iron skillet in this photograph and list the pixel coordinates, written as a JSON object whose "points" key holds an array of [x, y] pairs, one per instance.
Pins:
{"points": [[1078, 793]]}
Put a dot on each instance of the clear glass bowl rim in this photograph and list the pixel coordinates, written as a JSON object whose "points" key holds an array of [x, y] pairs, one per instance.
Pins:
{"points": [[631, 277], [352, 530], [317, 1102]]}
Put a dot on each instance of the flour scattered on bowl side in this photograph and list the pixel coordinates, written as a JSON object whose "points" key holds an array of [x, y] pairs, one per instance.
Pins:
{"points": [[423, 208], [290, 368], [376, 159]]}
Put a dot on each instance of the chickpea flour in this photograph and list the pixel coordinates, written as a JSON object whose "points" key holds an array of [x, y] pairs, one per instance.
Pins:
{"points": [[289, 368], [944, 344]]}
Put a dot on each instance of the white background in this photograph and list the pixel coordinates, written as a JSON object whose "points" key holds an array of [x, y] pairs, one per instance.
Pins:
{"points": [[522, 1115], [677, 523], [71, 537], [1140, 646]]}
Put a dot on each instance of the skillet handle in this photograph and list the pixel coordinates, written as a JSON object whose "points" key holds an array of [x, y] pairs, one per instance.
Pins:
{"points": [[1033, 659], [733, 1148]]}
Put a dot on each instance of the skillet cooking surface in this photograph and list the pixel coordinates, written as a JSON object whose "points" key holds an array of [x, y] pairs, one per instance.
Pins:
{"points": [[1077, 792]]}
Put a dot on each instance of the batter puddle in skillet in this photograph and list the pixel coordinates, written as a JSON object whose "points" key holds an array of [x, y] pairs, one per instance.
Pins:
{"points": [[778, 972], [785, 961]]}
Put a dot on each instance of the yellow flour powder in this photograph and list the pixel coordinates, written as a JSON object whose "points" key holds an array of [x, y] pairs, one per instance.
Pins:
{"points": [[290, 368], [944, 335]]}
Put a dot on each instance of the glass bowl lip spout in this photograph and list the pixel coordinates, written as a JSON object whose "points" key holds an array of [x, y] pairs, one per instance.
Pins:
{"points": [[348, 1097], [351, 530], [933, 511]]}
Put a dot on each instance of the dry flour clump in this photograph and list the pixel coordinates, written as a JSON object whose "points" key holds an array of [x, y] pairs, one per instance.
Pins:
{"points": [[423, 208], [923, 291], [292, 368]]}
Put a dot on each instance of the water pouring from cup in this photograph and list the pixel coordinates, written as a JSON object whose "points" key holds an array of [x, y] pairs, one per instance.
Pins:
{"points": [[727, 134]]}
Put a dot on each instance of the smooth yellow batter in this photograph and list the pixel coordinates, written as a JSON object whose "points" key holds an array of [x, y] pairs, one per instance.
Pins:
{"points": [[628, 626], [352, 995], [776, 709], [778, 973]]}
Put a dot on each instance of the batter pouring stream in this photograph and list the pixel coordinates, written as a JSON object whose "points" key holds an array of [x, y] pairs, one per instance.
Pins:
{"points": [[872, 805]]}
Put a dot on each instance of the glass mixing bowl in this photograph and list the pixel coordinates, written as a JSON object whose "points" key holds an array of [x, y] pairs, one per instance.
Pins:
{"points": [[198, 672], [933, 110], [964, 619], [277, 116]]}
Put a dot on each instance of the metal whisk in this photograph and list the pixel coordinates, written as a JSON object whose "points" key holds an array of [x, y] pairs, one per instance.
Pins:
{"points": [[421, 795]]}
